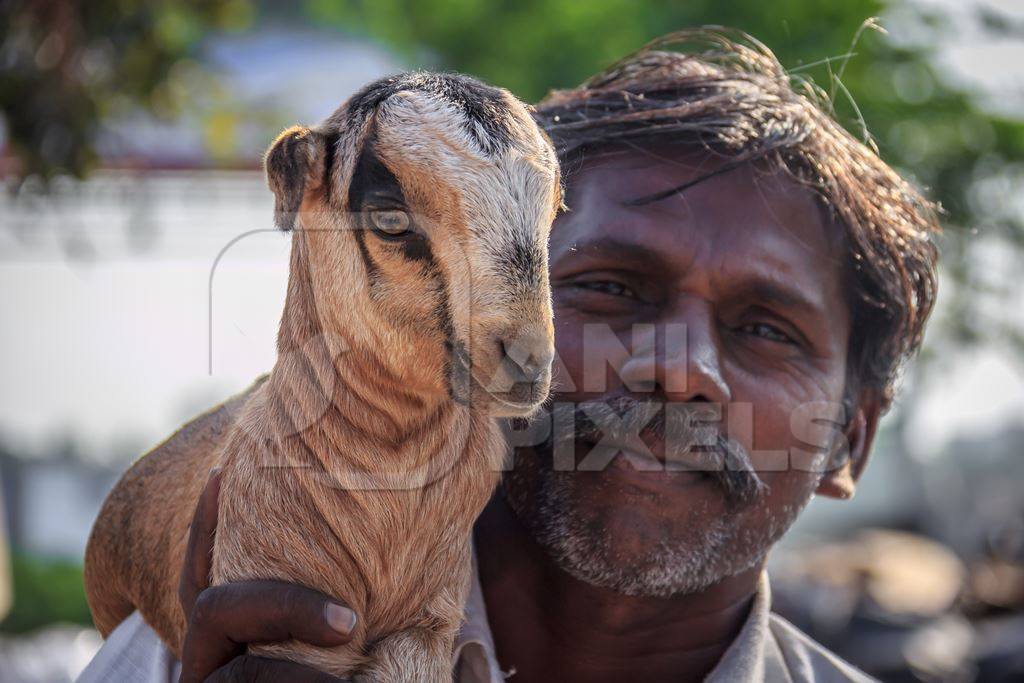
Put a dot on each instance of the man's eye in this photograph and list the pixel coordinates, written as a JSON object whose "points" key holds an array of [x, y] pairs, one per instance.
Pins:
{"points": [[766, 331], [606, 287]]}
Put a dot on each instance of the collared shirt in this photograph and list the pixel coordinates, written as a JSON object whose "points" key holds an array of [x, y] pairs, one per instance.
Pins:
{"points": [[768, 648]]}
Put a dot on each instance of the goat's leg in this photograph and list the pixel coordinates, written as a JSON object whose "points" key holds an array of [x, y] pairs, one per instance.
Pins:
{"points": [[416, 654], [423, 652]]}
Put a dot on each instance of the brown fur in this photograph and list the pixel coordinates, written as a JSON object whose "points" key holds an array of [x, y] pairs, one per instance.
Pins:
{"points": [[117, 581], [350, 469]]}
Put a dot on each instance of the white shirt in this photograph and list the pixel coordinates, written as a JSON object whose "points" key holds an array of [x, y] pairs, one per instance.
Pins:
{"points": [[768, 648]]}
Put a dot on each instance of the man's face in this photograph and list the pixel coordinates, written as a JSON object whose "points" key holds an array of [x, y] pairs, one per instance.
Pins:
{"points": [[729, 294]]}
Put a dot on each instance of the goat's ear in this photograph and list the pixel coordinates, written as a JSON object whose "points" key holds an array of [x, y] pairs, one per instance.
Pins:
{"points": [[294, 164]]}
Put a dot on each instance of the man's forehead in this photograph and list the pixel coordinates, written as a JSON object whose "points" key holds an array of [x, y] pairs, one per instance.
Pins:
{"points": [[714, 195]]}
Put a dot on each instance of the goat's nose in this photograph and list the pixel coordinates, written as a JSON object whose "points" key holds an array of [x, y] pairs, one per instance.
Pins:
{"points": [[530, 359]]}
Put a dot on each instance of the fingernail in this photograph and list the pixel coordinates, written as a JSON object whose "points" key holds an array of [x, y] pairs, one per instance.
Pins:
{"points": [[341, 619], [214, 471]]}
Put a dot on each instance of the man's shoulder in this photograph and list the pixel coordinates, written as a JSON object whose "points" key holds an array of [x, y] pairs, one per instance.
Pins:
{"points": [[805, 659], [132, 653]]}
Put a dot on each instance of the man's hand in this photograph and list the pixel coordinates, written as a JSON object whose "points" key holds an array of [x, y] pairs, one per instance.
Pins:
{"points": [[223, 620]]}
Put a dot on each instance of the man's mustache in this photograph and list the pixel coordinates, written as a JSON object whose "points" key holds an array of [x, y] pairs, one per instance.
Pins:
{"points": [[691, 435]]}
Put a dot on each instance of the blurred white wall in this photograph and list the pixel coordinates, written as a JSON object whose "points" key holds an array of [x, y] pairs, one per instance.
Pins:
{"points": [[111, 342]]}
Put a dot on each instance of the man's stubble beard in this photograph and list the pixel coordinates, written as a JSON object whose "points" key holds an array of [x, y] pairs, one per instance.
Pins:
{"points": [[685, 559]]}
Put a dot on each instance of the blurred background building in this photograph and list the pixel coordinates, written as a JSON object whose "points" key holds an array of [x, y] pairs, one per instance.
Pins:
{"points": [[141, 279]]}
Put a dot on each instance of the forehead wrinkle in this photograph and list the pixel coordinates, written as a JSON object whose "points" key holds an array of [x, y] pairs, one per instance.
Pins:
{"points": [[678, 190]]}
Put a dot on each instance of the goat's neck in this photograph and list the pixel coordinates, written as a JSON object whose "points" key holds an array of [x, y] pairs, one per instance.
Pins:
{"points": [[318, 386]]}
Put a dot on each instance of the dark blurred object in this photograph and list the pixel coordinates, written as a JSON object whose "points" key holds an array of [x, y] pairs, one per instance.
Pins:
{"points": [[905, 608], [65, 65], [997, 580]]}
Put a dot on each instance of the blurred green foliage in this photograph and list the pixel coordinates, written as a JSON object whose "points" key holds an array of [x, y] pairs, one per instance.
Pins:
{"points": [[45, 592], [66, 65]]}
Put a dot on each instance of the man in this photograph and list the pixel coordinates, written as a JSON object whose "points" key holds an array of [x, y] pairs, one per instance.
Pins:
{"points": [[737, 283]]}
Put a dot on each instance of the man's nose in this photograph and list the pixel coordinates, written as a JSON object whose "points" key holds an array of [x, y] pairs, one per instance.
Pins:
{"points": [[687, 358]]}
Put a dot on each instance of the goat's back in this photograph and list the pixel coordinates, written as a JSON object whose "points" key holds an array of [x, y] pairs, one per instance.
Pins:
{"points": [[137, 546]]}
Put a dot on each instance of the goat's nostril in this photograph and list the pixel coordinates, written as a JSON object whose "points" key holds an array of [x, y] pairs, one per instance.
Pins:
{"points": [[528, 366]]}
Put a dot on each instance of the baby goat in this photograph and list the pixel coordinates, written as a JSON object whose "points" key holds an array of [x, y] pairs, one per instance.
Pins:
{"points": [[418, 310]]}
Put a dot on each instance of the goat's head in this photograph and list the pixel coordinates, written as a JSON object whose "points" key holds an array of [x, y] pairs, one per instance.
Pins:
{"points": [[423, 207]]}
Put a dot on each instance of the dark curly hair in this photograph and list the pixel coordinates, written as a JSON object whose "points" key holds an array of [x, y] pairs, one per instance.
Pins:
{"points": [[727, 93]]}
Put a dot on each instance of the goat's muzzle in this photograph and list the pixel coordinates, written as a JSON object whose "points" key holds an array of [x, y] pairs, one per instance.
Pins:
{"points": [[522, 378]]}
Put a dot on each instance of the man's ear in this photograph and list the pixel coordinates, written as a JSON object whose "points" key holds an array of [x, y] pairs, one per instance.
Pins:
{"points": [[850, 456], [295, 165]]}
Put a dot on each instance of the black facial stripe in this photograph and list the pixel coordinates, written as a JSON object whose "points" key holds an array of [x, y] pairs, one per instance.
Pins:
{"points": [[371, 177], [483, 105], [372, 271], [521, 263], [457, 365], [330, 151], [417, 248], [458, 369], [373, 182]]}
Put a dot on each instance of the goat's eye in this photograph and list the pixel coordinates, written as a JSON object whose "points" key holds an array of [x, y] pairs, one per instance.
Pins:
{"points": [[391, 222]]}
